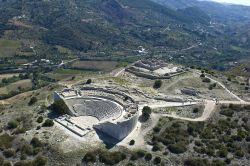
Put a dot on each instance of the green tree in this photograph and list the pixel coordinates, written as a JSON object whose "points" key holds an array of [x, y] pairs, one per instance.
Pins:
{"points": [[60, 107], [89, 81], [146, 112], [12, 124], [157, 84], [32, 101], [48, 123]]}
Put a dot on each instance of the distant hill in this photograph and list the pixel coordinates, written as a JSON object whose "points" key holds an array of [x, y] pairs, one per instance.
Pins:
{"points": [[216, 10], [89, 24], [116, 28]]}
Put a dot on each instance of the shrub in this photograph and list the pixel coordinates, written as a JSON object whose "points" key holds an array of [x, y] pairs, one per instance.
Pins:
{"points": [[111, 158], [89, 81], [7, 163], [210, 87], [248, 139], [39, 119], [20, 130], [60, 107], [9, 153], [37, 150], [23, 163], [23, 156], [157, 84], [227, 112], [218, 163], [222, 152], [228, 161], [48, 123], [130, 164], [6, 141], [196, 162], [157, 129], [1, 160], [35, 142], [146, 112], [177, 148], [32, 101], [12, 124], [198, 143], [157, 160], [132, 142], [138, 154], [206, 80], [239, 153], [202, 75], [148, 157], [196, 110], [156, 147], [90, 157], [39, 161]]}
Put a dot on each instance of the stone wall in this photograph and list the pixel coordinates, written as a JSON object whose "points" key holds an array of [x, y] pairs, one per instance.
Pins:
{"points": [[151, 76], [108, 91], [189, 91], [118, 130], [148, 76], [57, 96]]}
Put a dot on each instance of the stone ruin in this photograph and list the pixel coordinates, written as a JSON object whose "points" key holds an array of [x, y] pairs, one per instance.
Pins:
{"points": [[189, 91], [154, 69]]}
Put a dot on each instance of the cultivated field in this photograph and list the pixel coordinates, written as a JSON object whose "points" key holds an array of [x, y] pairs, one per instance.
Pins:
{"points": [[8, 47], [8, 75], [95, 65], [23, 84]]}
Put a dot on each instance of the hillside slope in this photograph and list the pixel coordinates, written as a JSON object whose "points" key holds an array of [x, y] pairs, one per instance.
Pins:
{"points": [[85, 25]]}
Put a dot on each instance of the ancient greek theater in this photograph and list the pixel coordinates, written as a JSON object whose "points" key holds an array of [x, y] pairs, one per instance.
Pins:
{"points": [[89, 108]]}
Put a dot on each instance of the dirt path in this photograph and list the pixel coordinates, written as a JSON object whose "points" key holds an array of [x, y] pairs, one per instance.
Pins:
{"points": [[209, 108], [119, 72], [224, 87]]}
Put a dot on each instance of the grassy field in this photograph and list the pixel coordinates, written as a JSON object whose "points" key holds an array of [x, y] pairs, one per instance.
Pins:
{"points": [[61, 74], [242, 69], [8, 47], [23, 84], [8, 75], [105, 66], [64, 50]]}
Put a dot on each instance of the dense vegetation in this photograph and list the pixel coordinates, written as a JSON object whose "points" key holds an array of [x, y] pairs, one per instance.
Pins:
{"points": [[222, 140]]}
